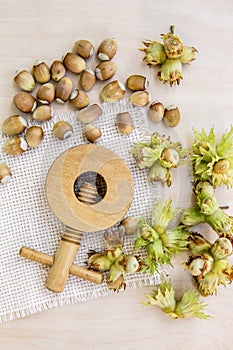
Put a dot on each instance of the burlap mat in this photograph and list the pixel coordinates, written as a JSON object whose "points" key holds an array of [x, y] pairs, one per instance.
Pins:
{"points": [[26, 219]]}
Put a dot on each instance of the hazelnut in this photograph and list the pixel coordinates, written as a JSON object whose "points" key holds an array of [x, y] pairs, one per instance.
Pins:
{"points": [[107, 49], [87, 79], [41, 72], [171, 116], [46, 93], [105, 70], [79, 99], [14, 125], [89, 114], [5, 174], [62, 130], [42, 113], [83, 48], [74, 63], [57, 70], [140, 98], [124, 123], [15, 146], [25, 102], [137, 82], [92, 132], [113, 91], [63, 90], [156, 111], [34, 136], [130, 224], [24, 80]]}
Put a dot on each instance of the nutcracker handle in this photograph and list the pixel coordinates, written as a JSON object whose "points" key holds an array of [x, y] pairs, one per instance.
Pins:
{"points": [[75, 270]]}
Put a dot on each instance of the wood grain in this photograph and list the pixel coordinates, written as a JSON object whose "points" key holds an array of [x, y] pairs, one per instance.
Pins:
{"points": [[47, 30]]}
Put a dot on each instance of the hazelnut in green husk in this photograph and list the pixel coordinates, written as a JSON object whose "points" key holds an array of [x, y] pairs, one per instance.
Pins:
{"points": [[213, 161], [210, 266], [171, 55], [189, 305], [208, 211], [159, 155], [114, 260], [159, 241]]}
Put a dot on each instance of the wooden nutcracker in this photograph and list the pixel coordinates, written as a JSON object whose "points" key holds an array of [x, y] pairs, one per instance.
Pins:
{"points": [[88, 209]]}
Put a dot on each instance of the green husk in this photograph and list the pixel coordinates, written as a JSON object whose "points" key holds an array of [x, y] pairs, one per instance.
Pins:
{"points": [[171, 55], [189, 305], [114, 260], [159, 242], [156, 156], [209, 264], [211, 161]]}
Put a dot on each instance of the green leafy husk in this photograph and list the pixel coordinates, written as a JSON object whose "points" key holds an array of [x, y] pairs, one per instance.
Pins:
{"points": [[211, 161], [159, 241], [156, 156], [189, 305], [171, 55], [114, 260]]}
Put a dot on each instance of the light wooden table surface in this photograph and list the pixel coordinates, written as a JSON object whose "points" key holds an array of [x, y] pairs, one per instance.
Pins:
{"points": [[46, 30]]}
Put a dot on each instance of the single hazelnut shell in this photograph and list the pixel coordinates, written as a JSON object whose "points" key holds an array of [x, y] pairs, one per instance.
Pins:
{"points": [[74, 63], [83, 48], [62, 130], [41, 72], [25, 102], [124, 123], [89, 114], [156, 111], [63, 90], [79, 99], [46, 93], [105, 70], [14, 125], [87, 79], [34, 136], [140, 98], [113, 91], [15, 146], [92, 132], [107, 49], [5, 174], [42, 113], [137, 82], [57, 70], [130, 224], [171, 116], [24, 80]]}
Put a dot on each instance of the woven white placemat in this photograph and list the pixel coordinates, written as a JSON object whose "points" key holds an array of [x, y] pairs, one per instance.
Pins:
{"points": [[26, 219]]}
